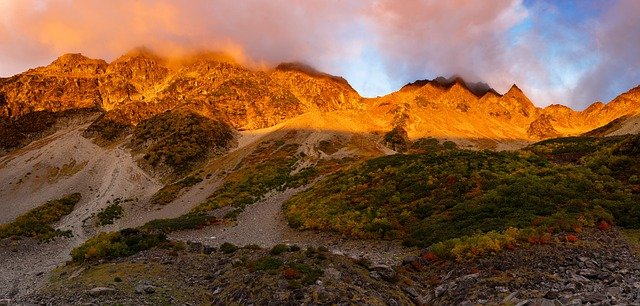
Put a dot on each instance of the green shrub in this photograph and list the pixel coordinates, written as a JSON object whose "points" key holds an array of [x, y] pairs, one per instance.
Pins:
{"points": [[279, 249], [111, 213], [180, 140], [268, 263], [309, 274], [170, 192], [116, 244], [428, 198], [37, 223], [228, 248], [184, 222]]}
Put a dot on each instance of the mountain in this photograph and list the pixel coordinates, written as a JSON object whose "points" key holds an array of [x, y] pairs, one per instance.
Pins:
{"points": [[152, 168], [141, 84]]}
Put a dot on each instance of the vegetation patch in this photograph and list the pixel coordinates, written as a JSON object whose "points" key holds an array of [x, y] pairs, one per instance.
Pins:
{"points": [[112, 212], [571, 149], [116, 244], [170, 192], [633, 238], [247, 185], [37, 223], [434, 197], [397, 139], [180, 140], [110, 127], [21, 131], [184, 222]]}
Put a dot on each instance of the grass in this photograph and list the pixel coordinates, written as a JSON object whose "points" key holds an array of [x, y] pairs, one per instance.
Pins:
{"points": [[250, 183], [38, 222]]}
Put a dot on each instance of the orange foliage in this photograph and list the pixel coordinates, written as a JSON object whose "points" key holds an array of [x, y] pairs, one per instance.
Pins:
{"points": [[571, 238]]}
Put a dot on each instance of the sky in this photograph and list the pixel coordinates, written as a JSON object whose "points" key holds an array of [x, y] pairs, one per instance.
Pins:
{"points": [[571, 52]]}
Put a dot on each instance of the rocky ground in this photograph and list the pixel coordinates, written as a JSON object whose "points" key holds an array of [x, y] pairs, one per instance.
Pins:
{"points": [[263, 224], [25, 264], [599, 269]]}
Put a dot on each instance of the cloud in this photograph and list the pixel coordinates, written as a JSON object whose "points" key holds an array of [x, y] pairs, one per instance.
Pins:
{"points": [[266, 30], [617, 45], [556, 52]]}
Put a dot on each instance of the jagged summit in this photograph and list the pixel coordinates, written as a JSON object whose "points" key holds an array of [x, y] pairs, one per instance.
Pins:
{"points": [[478, 88], [73, 63], [311, 71]]}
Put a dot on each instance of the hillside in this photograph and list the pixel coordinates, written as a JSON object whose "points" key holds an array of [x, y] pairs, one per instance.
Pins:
{"points": [[141, 165]]}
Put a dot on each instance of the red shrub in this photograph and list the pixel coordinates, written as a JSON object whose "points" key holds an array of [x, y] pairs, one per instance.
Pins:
{"points": [[430, 256], [572, 238], [290, 273], [603, 225]]}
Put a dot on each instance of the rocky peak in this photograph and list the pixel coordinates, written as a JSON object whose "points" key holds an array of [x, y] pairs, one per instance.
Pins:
{"points": [[478, 88], [515, 92], [74, 64], [139, 63], [312, 72], [594, 107], [516, 100]]}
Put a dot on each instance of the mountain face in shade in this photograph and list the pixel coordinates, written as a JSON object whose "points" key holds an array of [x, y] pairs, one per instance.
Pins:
{"points": [[141, 84]]}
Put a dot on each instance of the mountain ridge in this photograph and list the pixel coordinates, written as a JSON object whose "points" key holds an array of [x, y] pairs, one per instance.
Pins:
{"points": [[141, 84]]}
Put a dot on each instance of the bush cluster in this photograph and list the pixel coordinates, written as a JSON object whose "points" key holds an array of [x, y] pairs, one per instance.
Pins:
{"points": [[112, 212], [38, 222], [184, 222], [116, 244], [180, 140]]}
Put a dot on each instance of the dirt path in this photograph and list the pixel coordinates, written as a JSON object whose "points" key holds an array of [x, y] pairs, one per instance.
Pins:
{"points": [[263, 224]]}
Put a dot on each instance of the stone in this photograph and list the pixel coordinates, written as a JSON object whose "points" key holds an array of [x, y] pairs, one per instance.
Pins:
{"points": [[542, 302], [510, 297], [614, 291], [145, 288], [414, 295], [98, 291], [383, 272], [551, 294], [593, 297], [440, 290]]}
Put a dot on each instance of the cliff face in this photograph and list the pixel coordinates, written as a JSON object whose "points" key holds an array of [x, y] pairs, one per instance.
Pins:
{"points": [[140, 84]]}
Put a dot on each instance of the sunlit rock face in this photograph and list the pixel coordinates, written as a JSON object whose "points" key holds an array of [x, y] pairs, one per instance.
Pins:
{"points": [[141, 84]]}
